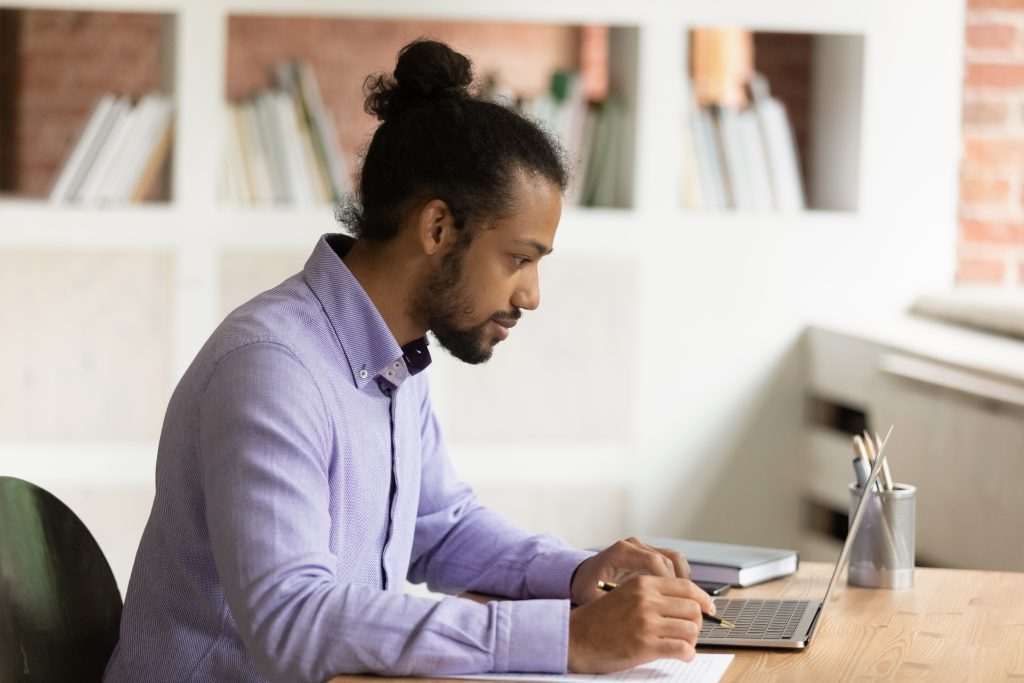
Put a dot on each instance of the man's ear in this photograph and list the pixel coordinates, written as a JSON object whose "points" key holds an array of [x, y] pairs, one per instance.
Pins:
{"points": [[435, 227]]}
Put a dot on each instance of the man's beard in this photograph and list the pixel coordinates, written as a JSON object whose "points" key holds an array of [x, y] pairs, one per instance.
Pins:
{"points": [[443, 301]]}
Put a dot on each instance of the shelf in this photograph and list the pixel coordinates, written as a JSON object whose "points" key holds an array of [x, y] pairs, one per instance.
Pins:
{"points": [[582, 231], [63, 64], [37, 224], [792, 141], [257, 43]]}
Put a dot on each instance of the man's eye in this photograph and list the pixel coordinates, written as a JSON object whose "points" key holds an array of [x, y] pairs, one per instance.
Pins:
{"points": [[521, 260]]}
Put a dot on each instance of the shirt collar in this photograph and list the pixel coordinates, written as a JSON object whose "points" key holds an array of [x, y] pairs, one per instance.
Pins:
{"points": [[370, 348]]}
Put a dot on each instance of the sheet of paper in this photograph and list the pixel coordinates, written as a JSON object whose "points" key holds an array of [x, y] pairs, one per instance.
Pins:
{"points": [[705, 668]]}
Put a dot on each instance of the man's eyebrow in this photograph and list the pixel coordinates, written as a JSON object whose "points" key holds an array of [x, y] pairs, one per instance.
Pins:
{"points": [[542, 249]]}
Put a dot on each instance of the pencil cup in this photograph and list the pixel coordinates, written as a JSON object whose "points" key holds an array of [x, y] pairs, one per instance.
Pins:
{"points": [[882, 555]]}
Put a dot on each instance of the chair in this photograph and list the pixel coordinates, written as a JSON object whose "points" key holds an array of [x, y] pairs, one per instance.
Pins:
{"points": [[60, 608]]}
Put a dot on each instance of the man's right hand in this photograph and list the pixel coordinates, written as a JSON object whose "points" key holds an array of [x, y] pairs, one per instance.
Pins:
{"points": [[645, 618]]}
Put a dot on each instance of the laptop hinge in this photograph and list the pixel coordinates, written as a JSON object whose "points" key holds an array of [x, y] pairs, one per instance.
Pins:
{"points": [[814, 621]]}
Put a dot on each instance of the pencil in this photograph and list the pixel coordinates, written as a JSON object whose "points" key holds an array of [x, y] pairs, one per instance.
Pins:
{"points": [[608, 586]]}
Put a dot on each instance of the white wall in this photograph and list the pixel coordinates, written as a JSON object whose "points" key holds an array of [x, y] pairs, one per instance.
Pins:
{"points": [[658, 387]]}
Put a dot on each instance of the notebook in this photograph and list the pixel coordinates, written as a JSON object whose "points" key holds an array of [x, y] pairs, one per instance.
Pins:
{"points": [[740, 565], [784, 623]]}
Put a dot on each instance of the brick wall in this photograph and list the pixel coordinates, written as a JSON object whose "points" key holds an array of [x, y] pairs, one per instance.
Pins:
{"points": [[344, 51], [991, 244]]}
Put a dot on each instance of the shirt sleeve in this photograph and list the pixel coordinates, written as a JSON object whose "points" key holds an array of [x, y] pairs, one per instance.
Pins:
{"points": [[461, 545], [264, 443]]}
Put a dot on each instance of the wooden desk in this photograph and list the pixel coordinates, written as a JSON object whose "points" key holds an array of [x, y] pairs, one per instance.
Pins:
{"points": [[953, 625]]}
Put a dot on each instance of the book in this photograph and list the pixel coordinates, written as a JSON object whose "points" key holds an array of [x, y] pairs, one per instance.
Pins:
{"points": [[144, 152], [322, 127], [732, 155], [255, 153], [712, 175], [755, 161], [86, 149], [157, 153], [781, 154], [106, 156], [740, 565], [600, 177]]}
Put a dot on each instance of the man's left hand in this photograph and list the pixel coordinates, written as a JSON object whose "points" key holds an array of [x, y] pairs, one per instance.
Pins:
{"points": [[621, 561]]}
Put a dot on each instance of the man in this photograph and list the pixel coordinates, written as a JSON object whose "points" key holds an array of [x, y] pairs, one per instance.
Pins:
{"points": [[302, 479]]}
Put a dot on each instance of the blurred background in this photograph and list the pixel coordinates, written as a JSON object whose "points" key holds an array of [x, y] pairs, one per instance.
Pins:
{"points": [[790, 222]]}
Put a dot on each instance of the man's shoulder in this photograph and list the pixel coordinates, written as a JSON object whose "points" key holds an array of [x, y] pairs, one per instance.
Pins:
{"points": [[287, 315]]}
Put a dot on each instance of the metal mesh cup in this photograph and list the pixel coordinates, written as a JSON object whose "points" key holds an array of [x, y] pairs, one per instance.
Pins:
{"points": [[882, 555]]}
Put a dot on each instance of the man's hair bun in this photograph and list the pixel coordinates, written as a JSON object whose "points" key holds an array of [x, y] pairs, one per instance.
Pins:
{"points": [[426, 71]]}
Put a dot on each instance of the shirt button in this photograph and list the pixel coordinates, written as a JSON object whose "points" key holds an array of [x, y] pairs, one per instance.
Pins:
{"points": [[363, 374], [396, 438]]}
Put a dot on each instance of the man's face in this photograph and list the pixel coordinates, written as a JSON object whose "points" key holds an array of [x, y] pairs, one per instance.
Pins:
{"points": [[478, 291]]}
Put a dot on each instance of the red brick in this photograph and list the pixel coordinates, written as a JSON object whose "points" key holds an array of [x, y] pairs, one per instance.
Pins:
{"points": [[990, 36], [344, 51], [1001, 232], [977, 190], [995, 4], [980, 270], [988, 152], [985, 113], [994, 75]]}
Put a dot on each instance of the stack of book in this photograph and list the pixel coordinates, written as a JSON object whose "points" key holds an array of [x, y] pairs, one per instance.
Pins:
{"points": [[120, 152], [742, 158], [591, 133], [281, 145]]}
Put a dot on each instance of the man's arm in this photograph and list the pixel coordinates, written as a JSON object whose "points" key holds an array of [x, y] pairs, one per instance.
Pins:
{"points": [[264, 440], [461, 545]]}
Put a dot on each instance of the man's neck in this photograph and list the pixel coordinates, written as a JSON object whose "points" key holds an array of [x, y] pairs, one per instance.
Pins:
{"points": [[388, 279]]}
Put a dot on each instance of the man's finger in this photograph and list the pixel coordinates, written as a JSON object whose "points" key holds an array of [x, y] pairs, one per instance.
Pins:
{"points": [[680, 609], [684, 588], [672, 648], [654, 560], [679, 563]]}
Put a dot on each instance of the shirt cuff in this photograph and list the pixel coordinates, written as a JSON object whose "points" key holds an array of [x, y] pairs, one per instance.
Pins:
{"points": [[549, 574], [533, 636]]}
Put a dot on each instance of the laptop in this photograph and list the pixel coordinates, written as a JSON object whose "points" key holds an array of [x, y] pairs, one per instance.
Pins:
{"points": [[790, 624]]}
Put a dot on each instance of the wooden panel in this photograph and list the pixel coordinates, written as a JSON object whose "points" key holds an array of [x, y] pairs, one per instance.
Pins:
{"points": [[828, 468], [966, 457], [840, 367]]}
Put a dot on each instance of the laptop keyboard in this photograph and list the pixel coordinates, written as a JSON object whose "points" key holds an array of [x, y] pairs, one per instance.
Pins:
{"points": [[757, 619]]}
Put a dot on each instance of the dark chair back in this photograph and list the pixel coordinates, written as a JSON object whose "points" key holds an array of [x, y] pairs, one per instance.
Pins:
{"points": [[60, 608]]}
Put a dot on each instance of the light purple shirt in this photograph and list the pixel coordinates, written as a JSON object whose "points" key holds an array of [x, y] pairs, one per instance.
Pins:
{"points": [[298, 486]]}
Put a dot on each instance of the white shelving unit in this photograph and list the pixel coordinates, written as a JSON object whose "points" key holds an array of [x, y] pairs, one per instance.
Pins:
{"points": [[710, 407]]}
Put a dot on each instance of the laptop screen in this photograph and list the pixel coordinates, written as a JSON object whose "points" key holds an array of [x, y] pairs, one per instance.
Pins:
{"points": [[855, 523]]}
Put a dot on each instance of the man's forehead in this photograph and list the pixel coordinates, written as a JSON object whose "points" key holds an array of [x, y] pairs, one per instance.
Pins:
{"points": [[541, 248]]}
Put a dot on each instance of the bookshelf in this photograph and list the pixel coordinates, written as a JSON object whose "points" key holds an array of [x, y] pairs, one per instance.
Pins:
{"points": [[731, 290]]}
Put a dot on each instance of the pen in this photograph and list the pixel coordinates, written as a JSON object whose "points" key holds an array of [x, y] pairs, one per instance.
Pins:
{"points": [[860, 470], [865, 454], [608, 586], [872, 454], [886, 474]]}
